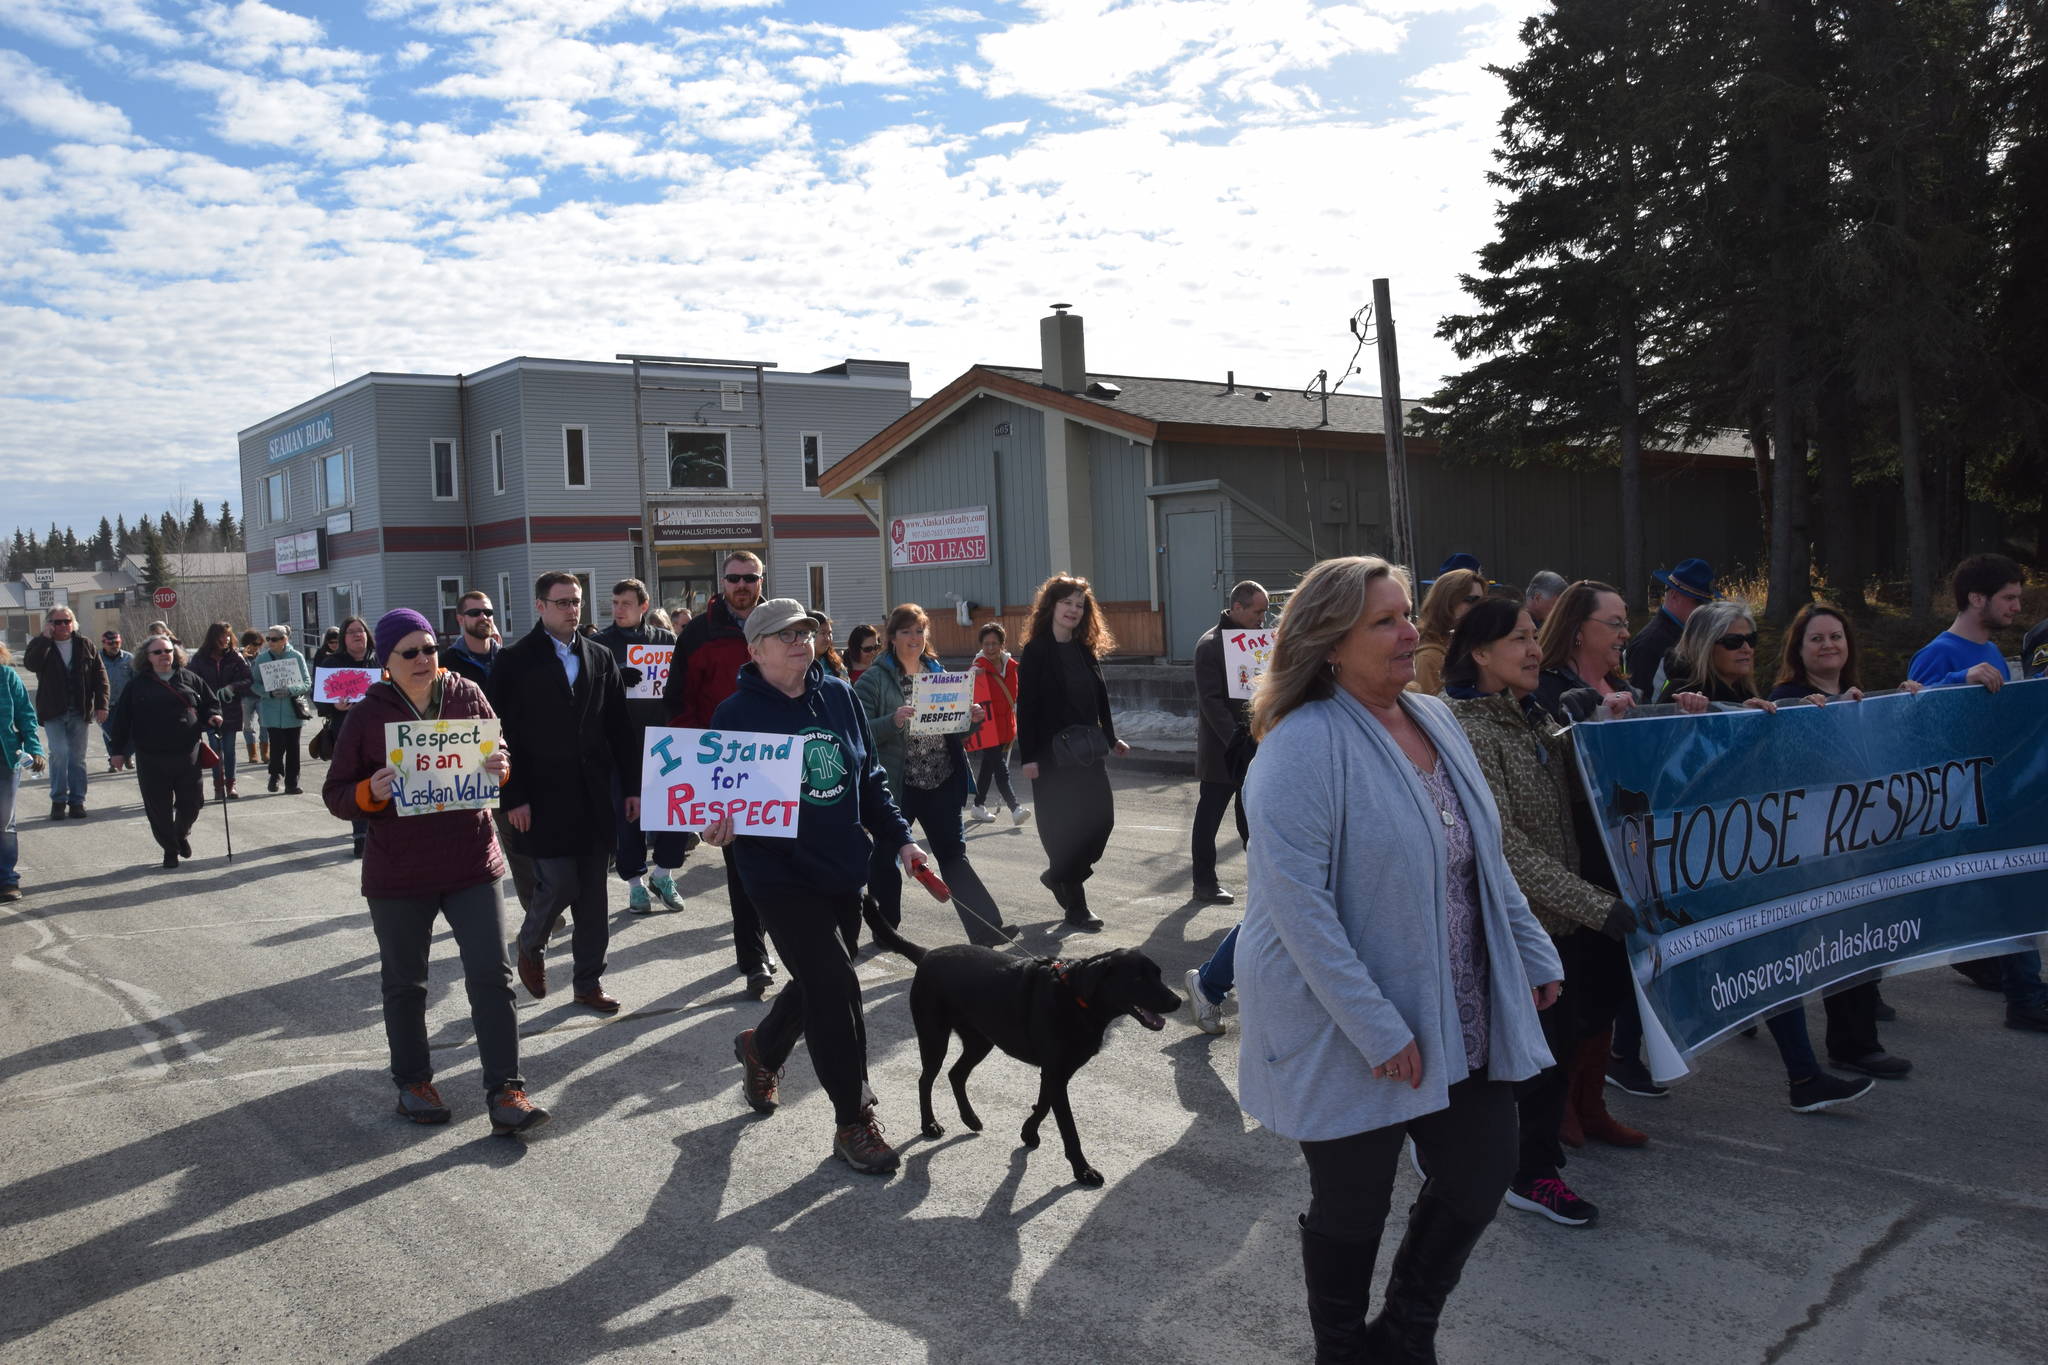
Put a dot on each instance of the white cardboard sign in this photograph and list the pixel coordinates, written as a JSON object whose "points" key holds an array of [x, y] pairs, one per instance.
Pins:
{"points": [[1245, 655], [277, 674], [441, 764], [652, 661], [693, 778], [941, 703]]}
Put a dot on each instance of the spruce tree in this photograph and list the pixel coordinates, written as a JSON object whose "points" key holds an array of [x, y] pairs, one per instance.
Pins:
{"points": [[227, 534], [198, 529], [156, 567], [170, 533]]}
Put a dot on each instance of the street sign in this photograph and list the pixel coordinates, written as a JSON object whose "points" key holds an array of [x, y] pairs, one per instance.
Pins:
{"points": [[164, 598], [45, 577]]}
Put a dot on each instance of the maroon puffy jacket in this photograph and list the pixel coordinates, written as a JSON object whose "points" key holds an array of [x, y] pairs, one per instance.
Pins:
{"points": [[711, 649], [417, 855]]}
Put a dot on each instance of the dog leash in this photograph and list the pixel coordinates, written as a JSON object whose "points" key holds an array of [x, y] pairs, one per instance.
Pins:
{"points": [[944, 894]]}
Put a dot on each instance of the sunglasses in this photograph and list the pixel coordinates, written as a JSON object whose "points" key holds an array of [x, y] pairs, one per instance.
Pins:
{"points": [[743, 578], [428, 649], [275, 639], [485, 611], [1737, 641]]}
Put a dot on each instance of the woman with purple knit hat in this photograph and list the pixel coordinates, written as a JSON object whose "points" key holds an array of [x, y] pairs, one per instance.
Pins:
{"points": [[445, 863]]}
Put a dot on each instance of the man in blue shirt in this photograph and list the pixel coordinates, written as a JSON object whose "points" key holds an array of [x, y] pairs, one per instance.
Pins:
{"points": [[1987, 591]]}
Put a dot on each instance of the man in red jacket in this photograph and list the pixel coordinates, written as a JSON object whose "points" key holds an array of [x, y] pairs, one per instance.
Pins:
{"points": [[710, 651]]}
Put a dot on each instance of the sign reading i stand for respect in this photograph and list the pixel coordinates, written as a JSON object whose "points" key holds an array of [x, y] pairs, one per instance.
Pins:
{"points": [[440, 764], [1245, 655], [693, 778], [942, 703]]}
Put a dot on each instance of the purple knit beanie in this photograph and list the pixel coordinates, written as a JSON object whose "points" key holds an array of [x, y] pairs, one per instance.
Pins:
{"points": [[395, 625]]}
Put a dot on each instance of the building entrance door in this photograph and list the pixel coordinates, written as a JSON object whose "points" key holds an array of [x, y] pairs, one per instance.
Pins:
{"points": [[1194, 578]]}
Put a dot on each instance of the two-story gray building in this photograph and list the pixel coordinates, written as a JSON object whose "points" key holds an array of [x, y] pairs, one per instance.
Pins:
{"points": [[409, 489]]}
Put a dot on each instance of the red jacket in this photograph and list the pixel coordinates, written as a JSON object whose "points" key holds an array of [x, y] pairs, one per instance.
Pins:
{"points": [[996, 693], [710, 652], [418, 855]]}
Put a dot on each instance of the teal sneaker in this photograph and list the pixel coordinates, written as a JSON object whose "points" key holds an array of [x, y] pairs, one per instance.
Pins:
{"points": [[637, 901], [665, 887]]}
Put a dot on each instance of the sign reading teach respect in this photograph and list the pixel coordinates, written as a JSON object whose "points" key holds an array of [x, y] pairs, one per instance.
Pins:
{"points": [[941, 703], [440, 764], [693, 778]]}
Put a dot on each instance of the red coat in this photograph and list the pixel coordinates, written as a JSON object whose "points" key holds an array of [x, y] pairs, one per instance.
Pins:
{"points": [[997, 693], [710, 652], [418, 855]]}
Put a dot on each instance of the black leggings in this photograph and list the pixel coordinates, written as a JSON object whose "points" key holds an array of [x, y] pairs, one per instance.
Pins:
{"points": [[814, 934], [1468, 1146], [284, 754]]}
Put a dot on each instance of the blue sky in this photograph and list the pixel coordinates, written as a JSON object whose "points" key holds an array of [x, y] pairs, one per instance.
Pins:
{"points": [[200, 203]]}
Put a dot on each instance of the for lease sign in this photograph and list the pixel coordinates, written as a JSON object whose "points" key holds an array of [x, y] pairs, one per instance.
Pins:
{"points": [[932, 538]]}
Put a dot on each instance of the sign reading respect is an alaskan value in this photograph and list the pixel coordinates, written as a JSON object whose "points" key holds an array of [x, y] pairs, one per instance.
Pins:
{"points": [[1766, 857], [934, 538], [693, 778], [440, 764]]}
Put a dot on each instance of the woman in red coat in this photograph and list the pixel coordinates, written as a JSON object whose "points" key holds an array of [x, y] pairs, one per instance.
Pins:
{"points": [[418, 867], [995, 687]]}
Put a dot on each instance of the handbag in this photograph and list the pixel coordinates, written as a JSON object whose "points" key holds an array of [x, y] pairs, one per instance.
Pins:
{"points": [[1080, 746], [322, 745], [302, 708]]}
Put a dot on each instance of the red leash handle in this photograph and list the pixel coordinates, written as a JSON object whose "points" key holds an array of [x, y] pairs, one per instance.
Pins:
{"points": [[940, 891]]}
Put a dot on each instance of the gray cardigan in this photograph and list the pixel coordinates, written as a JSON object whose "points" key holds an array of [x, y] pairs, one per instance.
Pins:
{"points": [[1343, 956]]}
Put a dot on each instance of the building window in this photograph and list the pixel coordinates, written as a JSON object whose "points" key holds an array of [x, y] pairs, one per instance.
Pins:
{"points": [[575, 457], [450, 593], [337, 483], [344, 602], [729, 395], [697, 459], [504, 617], [309, 610], [813, 444], [280, 610], [497, 462], [441, 457], [820, 583], [276, 499]]}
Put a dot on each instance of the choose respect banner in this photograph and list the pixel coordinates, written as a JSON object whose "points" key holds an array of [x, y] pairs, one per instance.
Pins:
{"points": [[1770, 856]]}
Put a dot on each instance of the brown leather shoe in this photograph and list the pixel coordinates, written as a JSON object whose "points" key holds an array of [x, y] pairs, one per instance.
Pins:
{"points": [[596, 998], [758, 1083], [533, 973]]}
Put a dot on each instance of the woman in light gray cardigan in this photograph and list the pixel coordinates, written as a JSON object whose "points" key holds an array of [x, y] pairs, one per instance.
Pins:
{"points": [[1389, 968]]}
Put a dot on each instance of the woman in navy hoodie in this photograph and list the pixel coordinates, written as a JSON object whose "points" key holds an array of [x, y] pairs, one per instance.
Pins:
{"points": [[808, 888]]}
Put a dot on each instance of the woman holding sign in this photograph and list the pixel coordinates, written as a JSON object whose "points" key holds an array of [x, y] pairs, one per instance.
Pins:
{"points": [[282, 681], [808, 888], [1390, 968], [926, 764], [416, 867], [330, 703], [1065, 736]]}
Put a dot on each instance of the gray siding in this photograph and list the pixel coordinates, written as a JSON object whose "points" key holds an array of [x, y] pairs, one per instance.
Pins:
{"points": [[602, 404], [356, 428], [1118, 478], [964, 463], [493, 405]]}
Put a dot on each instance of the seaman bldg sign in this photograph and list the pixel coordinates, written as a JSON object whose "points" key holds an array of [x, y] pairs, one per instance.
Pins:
{"points": [[315, 431]]}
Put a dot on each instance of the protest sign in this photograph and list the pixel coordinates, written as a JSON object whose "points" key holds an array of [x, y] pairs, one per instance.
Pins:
{"points": [[441, 764], [652, 661], [942, 703], [1245, 655], [1769, 856], [345, 686], [277, 674], [693, 778]]}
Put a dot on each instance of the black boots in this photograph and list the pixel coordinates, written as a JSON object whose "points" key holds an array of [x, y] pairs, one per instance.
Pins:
{"points": [[1339, 1279], [1073, 900], [1426, 1270]]}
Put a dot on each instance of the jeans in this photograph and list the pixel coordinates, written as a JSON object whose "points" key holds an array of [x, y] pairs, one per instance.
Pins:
{"points": [[1209, 807], [405, 932], [1219, 973], [938, 811], [223, 741], [815, 933], [1468, 1147], [284, 753], [995, 766], [576, 884], [10, 842], [65, 738], [2019, 976]]}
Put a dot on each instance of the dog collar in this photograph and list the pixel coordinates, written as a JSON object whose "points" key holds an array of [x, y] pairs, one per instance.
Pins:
{"points": [[1059, 973]]}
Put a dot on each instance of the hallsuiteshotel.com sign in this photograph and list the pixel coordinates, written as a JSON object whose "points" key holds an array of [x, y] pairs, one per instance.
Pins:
{"points": [[1769, 856]]}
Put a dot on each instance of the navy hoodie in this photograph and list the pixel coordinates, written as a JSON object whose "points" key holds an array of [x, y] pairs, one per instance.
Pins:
{"points": [[845, 794]]}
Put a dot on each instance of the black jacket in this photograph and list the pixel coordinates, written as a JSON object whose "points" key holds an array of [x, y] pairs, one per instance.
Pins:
{"points": [[457, 659], [162, 718], [644, 711], [1221, 720], [565, 743], [58, 693], [1568, 699], [1645, 653], [1043, 706], [229, 678]]}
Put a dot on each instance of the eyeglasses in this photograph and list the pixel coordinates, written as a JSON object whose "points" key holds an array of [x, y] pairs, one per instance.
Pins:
{"points": [[487, 611], [743, 578], [1622, 624], [429, 649], [576, 602], [796, 636], [1737, 641]]}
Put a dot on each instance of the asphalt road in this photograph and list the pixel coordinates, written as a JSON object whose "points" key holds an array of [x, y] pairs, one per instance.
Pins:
{"points": [[198, 1160]]}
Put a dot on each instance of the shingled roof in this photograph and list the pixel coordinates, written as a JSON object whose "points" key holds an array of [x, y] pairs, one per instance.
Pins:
{"points": [[1215, 402]]}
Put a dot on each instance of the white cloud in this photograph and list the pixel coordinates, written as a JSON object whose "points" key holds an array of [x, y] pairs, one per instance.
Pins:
{"points": [[863, 56], [256, 110], [81, 23], [40, 99]]}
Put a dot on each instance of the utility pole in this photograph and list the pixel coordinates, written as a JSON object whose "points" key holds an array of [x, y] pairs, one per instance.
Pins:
{"points": [[1400, 521]]}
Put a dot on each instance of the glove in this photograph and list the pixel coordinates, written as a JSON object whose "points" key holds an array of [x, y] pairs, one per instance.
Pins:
{"points": [[630, 676], [1620, 922]]}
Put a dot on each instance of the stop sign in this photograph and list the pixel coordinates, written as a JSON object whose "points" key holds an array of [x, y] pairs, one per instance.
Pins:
{"points": [[164, 598]]}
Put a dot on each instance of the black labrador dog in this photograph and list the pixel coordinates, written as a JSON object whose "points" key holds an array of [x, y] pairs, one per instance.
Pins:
{"points": [[1045, 1013]]}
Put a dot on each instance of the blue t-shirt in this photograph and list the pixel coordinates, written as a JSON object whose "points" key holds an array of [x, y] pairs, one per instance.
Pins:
{"points": [[1948, 656]]}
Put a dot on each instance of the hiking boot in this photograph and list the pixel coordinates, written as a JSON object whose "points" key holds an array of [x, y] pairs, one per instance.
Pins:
{"points": [[860, 1145], [759, 1084], [637, 900], [665, 887], [1553, 1199], [1825, 1091], [1630, 1075], [421, 1103], [513, 1112], [1208, 1013]]}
